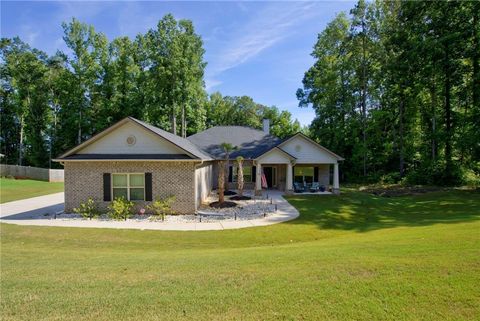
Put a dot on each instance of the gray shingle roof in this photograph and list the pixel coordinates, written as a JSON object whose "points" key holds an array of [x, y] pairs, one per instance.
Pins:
{"points": [[250, 142]]}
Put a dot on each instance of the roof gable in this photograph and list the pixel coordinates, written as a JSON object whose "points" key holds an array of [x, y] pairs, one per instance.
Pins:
{"points": [[133, 137], [275, 156], [308, 151], [141, 141]]}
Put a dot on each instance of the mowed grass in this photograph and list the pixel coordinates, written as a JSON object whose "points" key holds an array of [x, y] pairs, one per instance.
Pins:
{"points": [[351, 257], [17, 189]]}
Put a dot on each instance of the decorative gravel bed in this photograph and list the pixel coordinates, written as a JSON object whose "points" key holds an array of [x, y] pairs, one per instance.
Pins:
{"points": [[254, 208]]}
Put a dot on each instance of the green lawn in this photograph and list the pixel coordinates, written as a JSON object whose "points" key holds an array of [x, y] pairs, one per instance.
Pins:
{"points": [[17, 189], [352, 257]]}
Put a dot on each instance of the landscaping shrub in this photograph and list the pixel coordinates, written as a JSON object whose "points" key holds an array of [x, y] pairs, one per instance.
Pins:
{"points": [[120, 209], [161, 207], [390, 178], [88, 209], [471, 178], [435, 174]]}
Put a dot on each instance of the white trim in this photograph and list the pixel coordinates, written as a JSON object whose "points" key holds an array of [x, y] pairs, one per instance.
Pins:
{"points": [[130, 160], [128, 186]]}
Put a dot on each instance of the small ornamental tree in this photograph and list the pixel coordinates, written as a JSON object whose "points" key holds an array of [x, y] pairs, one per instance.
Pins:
{"points": [[221, 182], [240, 175], [161, 207], [88, 209], [120, 209], [227, 149]]}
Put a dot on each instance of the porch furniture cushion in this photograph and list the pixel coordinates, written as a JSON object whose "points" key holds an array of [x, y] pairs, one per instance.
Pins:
{"points": [[315, 187], [298, 188]]}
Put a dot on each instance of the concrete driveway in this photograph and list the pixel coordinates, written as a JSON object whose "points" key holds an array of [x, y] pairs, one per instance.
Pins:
{"points": [[30, 208]]}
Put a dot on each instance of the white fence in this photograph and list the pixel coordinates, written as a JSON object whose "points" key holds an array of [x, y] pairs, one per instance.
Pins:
{"points": [[44, 174]]}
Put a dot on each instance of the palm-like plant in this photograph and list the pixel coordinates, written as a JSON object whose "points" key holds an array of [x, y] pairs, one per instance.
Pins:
{"points": [[221, 182], [240, 175], [227, 149]]}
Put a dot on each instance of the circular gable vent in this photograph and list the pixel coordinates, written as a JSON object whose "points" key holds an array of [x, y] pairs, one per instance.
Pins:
{"points": [[131, 140]]}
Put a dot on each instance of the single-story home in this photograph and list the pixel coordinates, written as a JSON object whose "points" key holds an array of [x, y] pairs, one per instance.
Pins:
{"points": [[141, 162]]}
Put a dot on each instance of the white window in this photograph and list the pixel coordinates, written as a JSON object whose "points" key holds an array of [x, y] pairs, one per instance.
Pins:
{"points": [[129, 186], [247, 174]]}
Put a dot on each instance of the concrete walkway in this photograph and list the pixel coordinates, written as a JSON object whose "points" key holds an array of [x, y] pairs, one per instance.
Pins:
{"points": [[40, 211]]}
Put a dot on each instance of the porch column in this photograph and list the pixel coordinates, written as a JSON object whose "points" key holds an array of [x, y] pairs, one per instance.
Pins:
{"points": [[289, 178], [336, 184], [258, 181]]}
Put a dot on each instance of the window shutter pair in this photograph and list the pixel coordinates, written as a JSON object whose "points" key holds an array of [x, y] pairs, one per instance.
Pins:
{"points": [[107, 187]]}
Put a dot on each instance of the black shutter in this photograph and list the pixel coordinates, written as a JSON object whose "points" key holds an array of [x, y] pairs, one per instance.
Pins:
{"points": [[315, 174], [254, 174], [230, 174], [148, 187], [293, 174], [107, 192]]}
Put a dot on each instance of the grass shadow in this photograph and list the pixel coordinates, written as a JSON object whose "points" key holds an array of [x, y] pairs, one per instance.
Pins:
{"points": [[363, 212]]}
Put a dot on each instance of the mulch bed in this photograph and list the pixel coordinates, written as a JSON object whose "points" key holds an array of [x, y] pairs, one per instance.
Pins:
{"points": [[229, 193], [223, 205], [240, 198], [393, 191]]}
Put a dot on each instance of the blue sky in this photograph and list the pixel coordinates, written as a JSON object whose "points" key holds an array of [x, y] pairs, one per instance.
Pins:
{"points": [[259, 49]]}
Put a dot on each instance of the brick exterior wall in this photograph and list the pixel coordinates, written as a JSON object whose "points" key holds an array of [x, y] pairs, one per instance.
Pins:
{"points": [[85, 179]]}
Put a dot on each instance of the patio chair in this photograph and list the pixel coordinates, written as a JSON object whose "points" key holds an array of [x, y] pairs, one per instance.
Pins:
{"points": [[315, 187], [298, 188]]}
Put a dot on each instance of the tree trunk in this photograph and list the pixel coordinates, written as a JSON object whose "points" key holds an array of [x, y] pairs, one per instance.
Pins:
{"points": [[221, 182], [184, 130], [448, 111], [20, 149], [433, 94], [226, 171], [79, 137], [401, 134], [364, 101], [174, 121], [240, 178], [476, 60]]}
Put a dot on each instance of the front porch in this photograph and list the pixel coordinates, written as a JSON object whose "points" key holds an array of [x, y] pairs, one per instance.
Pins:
{"points": [[297, 178]]}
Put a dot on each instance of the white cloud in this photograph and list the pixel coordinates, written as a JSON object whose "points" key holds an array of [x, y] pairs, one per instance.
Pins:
{"points": [[133, 19], [29, 34], [81, 9], [267, 28], [211, 83]]}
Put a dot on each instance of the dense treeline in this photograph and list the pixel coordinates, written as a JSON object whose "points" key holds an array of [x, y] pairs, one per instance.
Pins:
{"points": [[51, 103], [396, 90]]}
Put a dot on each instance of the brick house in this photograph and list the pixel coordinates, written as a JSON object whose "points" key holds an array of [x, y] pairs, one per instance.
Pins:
{"points": [[141, 162]]}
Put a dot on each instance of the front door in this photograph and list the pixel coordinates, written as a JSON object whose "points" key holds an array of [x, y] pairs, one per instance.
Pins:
{"points": [[270, 175]]}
